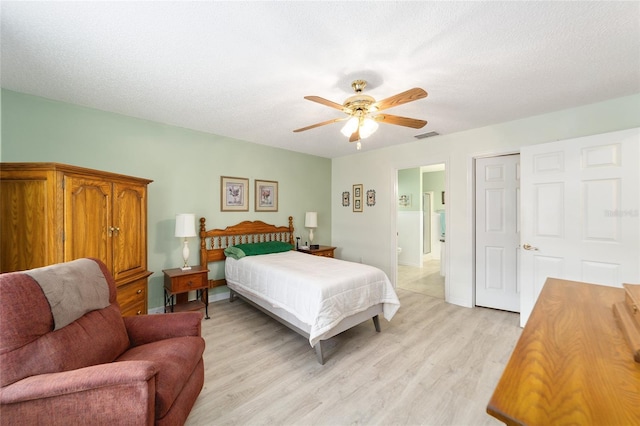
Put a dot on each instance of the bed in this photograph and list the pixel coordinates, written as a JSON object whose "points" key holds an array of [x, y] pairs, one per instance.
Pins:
{"points": [[318, 297]]}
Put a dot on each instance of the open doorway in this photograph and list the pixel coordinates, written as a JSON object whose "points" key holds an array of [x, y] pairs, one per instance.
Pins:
{"points": [[421, 229]]}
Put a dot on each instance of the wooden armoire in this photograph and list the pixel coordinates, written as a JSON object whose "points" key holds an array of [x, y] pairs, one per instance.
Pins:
{"points": [[54, 213]]}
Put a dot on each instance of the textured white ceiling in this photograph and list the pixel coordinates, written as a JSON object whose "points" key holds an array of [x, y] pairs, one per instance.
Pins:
{"points": [[241, 69]]}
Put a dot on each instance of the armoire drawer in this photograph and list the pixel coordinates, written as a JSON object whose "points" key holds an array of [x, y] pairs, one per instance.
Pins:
{"points": [[132, 298]]}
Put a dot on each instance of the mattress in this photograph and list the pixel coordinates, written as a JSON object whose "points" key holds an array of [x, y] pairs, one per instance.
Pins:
{"points": [[318, 291]]}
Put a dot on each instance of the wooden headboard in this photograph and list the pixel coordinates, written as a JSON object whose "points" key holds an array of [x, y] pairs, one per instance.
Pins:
{"points": [[214, 241]]}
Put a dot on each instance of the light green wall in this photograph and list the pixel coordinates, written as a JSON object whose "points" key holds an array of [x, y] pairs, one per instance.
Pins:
{"points": [[434, 181], [185, 166], [409, 184]]}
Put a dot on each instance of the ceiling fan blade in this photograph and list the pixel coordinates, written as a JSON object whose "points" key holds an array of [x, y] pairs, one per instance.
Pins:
{"points": [[355, 136], [326, 102], [401, 98], [335, 120], [400, 121]]}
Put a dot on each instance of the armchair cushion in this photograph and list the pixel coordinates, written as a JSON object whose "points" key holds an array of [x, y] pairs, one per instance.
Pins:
{"points": [[176, 359], [144, 329]]}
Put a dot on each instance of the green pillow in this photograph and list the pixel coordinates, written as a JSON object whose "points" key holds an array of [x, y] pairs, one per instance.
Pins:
{"points": [[234, 252], [252, 249]]}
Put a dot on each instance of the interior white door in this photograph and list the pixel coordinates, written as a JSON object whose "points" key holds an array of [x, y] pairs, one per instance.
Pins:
{"points": [[497, 232], [580, 213]]}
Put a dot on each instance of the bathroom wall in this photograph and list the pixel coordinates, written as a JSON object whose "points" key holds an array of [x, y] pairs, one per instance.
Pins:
{"points": [[434, 182], [410, 218]]}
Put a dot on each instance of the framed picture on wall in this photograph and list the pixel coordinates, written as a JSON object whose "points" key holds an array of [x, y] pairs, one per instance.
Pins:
{"points": [[266, 196], [357, 198], [345, 199], [234, 194], [371, 197]]}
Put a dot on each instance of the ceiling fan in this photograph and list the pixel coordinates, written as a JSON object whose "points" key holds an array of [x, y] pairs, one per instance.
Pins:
{"points": [[363, 112]]}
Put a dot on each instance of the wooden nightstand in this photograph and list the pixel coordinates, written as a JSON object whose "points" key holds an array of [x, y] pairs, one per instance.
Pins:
{"points": [[325, 251], [178, 282]]}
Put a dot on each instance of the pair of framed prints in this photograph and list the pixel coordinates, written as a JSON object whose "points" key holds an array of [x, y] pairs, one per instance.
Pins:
{"points": [[234, 195]]}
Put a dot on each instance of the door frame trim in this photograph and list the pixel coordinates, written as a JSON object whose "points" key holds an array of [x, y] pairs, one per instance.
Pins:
{"points": [[431, 195], [393, 214]]}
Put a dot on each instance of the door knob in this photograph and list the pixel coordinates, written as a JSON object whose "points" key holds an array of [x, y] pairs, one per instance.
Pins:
{"points": [[529, 247]]}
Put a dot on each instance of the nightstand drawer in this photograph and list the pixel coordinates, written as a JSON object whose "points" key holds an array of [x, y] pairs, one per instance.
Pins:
{"points": [[188, 283], [178, 283]]}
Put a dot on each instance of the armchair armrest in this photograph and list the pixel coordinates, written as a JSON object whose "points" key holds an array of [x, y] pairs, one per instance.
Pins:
{"points": [[144, 329], [114, 393]]}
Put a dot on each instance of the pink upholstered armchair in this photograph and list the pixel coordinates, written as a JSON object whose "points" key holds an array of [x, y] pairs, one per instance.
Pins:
{"points": [[100, 368]]}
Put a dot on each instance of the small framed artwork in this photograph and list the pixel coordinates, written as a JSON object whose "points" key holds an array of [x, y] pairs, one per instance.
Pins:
{"points": [[266, 196], [234, 194], [345, 199], [371, 197], [357, 197]]}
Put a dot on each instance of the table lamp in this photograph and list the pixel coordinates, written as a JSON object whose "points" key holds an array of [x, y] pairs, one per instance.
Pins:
{"points": [[311, 222], [185, 227]]}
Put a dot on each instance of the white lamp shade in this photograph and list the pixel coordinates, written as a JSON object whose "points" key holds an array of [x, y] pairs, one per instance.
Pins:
{"points": [[185, 225], [311, 220], [368, 128], [351, 126]]}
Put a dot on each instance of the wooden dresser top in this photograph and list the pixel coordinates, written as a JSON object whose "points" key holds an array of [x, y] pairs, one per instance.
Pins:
{"points": [[572, 364]]}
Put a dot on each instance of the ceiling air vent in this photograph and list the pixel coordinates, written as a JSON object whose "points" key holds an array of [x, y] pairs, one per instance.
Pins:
{"points": [[426, 135]]}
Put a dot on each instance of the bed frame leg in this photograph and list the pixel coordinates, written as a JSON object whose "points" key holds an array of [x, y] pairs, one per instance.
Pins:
{"points": [[376, 323], [232, 296], [319, 356]]}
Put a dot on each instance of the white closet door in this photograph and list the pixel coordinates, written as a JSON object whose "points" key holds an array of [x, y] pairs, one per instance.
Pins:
{"points": [[497, 232], [580, 213]]}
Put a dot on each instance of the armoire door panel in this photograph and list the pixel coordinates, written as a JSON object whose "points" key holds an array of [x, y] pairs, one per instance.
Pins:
{"points": [[129, 221], [87, 228], [24, 224]]}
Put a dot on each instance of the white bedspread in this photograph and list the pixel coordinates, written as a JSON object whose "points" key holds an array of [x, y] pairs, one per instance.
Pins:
{"points": [[319, 291]]}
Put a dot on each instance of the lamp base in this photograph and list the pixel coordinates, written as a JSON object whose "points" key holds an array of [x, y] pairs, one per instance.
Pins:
{"points": [[185, 255]]}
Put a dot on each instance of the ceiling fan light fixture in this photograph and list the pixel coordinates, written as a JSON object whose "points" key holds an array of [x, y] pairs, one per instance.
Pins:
{"points": [[350, 127], [368, 127], [362, 112]]}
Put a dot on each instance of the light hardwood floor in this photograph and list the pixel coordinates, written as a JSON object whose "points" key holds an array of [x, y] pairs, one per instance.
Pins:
{"points": [[426, 280], [433, 364]]}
